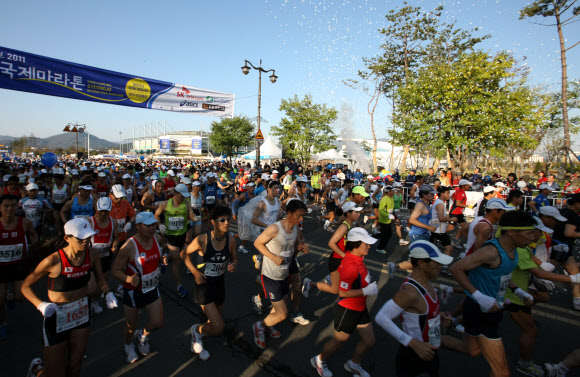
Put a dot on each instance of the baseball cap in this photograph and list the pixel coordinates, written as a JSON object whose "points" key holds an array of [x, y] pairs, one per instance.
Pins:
{"points": [[540, 225], [250, 184], [522, 184], [84, 168], [370, 176], [275, 171], [118, 191], [31, 186], [196, 183], [126, 176], [186, 181], [500, 184], [553, 212], [351, 206], [6, 177], [496, 203], [464, 182], [426, 250], [86, 187], [265, 176], [429, 189], [488, 189], [545, 186], [171, 173], [146, 218], [360, 234], [388, 188], [360, 190], [182, 189], [79, 228], [104, 204]]}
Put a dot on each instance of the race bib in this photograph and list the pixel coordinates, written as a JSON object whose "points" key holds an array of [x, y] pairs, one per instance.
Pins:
{"points": [[503, 285], [69, 316], [11, 253], [209, 199], [215, 269], [121, 225], [287, 255], [175, 223], [59, 197], [104, 249], [35, 217], [150, 281], [435, 331]]}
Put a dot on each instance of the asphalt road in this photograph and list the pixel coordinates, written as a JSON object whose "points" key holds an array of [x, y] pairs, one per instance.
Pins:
{"points": [[234, 353]]}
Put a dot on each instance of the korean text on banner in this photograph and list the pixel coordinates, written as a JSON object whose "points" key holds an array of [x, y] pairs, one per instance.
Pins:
{"points": [[196, 145], [32, 73]]}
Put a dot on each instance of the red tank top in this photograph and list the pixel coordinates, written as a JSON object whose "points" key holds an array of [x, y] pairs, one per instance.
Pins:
{"points": [[341, 243], [145, 263], [424, 327], [8, 192], [71, 277], [13, 244], [471, 248], [170, 184], [103, 190], [103, 239]]}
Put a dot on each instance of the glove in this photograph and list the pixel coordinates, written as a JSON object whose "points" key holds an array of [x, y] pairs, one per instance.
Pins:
{"points": [[47, 308], [371, 289], [561, 248], [127, 227], [523, 295], [391, 217], [485, 302], [544, 285], [162, 229], [547, 266], [112, 302], [575, 278]]}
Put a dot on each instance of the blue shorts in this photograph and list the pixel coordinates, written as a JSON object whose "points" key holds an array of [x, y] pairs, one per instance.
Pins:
{"points": [[135, 298], [419, 237], [275, 290]]}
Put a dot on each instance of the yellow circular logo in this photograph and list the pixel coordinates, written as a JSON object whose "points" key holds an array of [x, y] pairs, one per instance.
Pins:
{"points": [[138, 90]]}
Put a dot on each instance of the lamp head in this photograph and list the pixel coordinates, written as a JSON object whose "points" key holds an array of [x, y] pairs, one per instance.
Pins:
{"points": [[273, 78], [245, 68]]}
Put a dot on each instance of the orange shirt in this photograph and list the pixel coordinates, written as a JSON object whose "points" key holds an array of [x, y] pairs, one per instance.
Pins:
{"points": [[120, 212]]}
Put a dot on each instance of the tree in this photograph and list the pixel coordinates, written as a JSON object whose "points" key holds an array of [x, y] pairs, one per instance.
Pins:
{"points": [[306, 129], [479, 104], [556, 9], [230, 134]]}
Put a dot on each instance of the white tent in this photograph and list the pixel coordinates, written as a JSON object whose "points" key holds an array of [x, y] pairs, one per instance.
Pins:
{"points": [[268, 151], [331, 154]]}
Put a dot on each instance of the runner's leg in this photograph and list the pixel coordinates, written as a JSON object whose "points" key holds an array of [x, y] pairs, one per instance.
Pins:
{"points": [[215, 323], [494, 352], [155, 313], [77, 347], [366, 342], [54, 358]]}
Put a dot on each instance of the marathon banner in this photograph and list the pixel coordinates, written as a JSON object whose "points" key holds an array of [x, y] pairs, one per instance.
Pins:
{"points": [[32, 73], [196, 145]]}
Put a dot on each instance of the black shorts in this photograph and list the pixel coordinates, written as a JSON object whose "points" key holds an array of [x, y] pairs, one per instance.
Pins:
{"points": [[215, 292], [316, 190], [49, 335], [478, 323], [561, 256], [443, 238], [177, 241], [518, 308], [330, 206], [209, 207], [293, 267], [107, 262], [346, 320], [460, 219], [58, 206], [135, 298], [408, 364], [333, 263], [375, 205], [13, 272], [275, 290]]}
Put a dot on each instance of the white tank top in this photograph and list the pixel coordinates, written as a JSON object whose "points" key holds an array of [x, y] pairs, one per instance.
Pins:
{"points": [[471, 236], [59, 196], [270, 215], [305, 200], [442, 227]]}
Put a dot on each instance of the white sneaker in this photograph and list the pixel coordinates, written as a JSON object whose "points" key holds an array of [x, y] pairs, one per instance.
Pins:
{"points": [[34, 364], [326, 225], [96, 308], [320, 367], [355, 369], [553, 371], [306, 287], [242, 249], [299, 319], [143, 342], [130, 354], [402, 242], [257, 304], [576, 303], [196, 340]]}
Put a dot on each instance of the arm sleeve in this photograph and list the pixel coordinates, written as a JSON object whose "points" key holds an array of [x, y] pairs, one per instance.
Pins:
{"points": [[385, 318]]}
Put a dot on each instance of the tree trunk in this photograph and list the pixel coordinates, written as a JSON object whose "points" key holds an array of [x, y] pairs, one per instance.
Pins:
{"points": [[450, 163], [436, 164], [404, 159], [564, 83]]}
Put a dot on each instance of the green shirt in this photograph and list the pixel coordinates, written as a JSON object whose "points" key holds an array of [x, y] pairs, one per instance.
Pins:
{"points": [[176, 218], [398, 198], [520, 276], [386, 208]]}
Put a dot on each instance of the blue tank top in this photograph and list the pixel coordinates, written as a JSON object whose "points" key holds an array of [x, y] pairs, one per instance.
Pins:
{"points": [[210, 193], [78, 210], [423, 219], [493, 282]]}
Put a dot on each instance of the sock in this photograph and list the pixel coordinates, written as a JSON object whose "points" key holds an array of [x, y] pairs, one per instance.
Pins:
{"points": [[562, 368]]}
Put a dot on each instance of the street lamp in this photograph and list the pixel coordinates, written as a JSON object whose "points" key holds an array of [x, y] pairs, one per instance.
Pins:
{"points": [[77, 128], [245, 70]]}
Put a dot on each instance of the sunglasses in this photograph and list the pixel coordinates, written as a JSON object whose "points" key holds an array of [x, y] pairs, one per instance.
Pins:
{"points": [[82, 239], [224, 219]]}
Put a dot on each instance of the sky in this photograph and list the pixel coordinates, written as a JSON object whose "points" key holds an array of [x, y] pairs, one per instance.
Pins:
{"points": [[312, 45]]}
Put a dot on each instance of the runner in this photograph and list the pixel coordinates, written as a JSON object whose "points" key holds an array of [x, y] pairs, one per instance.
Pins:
{"points": [[100, 186], [81, 205], [481, 229], [196, 206], [137, 267], [121, 211], [243, 199], [169, 184], [36, 209], [421, 216], [350, 311], [67, 315], [278, 243], [386, 216], [541, 199], [152, 200], [418, 306], [210, 192], [459, 199], [440, 219], [177, 212], [61, 192], [217, 254]]}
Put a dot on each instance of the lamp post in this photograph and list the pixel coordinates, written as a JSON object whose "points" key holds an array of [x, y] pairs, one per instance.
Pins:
{"points": [[273, 78], [77, 128]]}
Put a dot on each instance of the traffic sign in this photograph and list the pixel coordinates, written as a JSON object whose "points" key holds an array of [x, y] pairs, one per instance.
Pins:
{"points": [[259, 135]]}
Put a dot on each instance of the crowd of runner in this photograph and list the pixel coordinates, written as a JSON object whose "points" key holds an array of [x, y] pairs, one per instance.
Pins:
{"points": [[103, 232]]}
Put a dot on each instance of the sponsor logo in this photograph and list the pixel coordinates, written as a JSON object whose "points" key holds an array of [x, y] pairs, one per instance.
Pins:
{"points": [[189, 104], [142, 255], [209, 99], [208, 106], [183, 88], [343, 285]]}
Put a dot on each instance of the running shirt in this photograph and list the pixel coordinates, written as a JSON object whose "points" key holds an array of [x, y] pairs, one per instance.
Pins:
{"points": [[215, 261], [13, 244], [176, 218], [86, 210], [270, 215], [282, 245], [386, 208], [71, 277], [33, 209], [423, 327], [424, 219], [353, 275], [460, 195], [442, 227], [120, 212], [471, 237], [196, 205], [398, 199], [521, 277], [341, 243], [170, 187], [102, 190], [145, 263], [103, 238], [8, 192], [59, 196], [210, 193]]}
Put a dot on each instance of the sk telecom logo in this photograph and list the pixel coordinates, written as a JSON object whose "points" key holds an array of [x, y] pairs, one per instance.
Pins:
{"points": [[185, 90]]}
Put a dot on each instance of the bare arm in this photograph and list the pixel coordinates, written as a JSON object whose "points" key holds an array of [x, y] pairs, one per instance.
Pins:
{"points": [[263, 239], [335, 239], [261, 207]]}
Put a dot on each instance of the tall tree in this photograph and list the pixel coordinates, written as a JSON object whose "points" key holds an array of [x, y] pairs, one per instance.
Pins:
{"points": [[557, 9], [306, 129], [230, 134]]}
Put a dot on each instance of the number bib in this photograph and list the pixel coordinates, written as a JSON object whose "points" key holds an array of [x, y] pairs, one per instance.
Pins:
{"points": [[69, 316], [104, 249], [435, 331], [121, 225], [503, 285], [210, 200], [215, 269], [150, 281], [58, 197], [35, 217], [11, 253], [287, 255], [175, 223]]}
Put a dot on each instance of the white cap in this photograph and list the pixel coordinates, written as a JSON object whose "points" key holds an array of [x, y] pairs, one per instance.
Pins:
{"points": [[250, 184], [31, 186], [185, 181], [464, 182], [79, 228], [500, 184], [430, 189], [496, 203], [182, 189], [84, 168], [171, 173], [146, 218], [360, 234], [101, 174], [126, 176], [351, 206], [426, 250], [118, 191], [6, 177], [553, 212], [104, 204], [265, 176], [488, 189], [545, 186], [275, 171], [522, 184], [196, 183], [86, 187], [74, 172], [370, 176], [44, 171], [540, 225]]}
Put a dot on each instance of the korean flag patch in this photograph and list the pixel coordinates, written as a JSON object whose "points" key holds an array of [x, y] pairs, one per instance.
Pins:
{"points": [[343, 285]]}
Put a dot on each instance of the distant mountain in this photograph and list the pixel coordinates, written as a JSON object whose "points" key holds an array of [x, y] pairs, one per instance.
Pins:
{"points": [[6, 140], [66, 140]]}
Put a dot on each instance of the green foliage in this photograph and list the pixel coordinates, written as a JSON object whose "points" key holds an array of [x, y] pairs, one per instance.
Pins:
{"points": [[546, 8], [230, 134], [479, 103], [573, 104], [306, 129]]}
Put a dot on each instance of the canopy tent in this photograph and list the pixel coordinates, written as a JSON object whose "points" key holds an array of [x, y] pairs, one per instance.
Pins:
{"points": [[331, 154], [268, 151]]}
